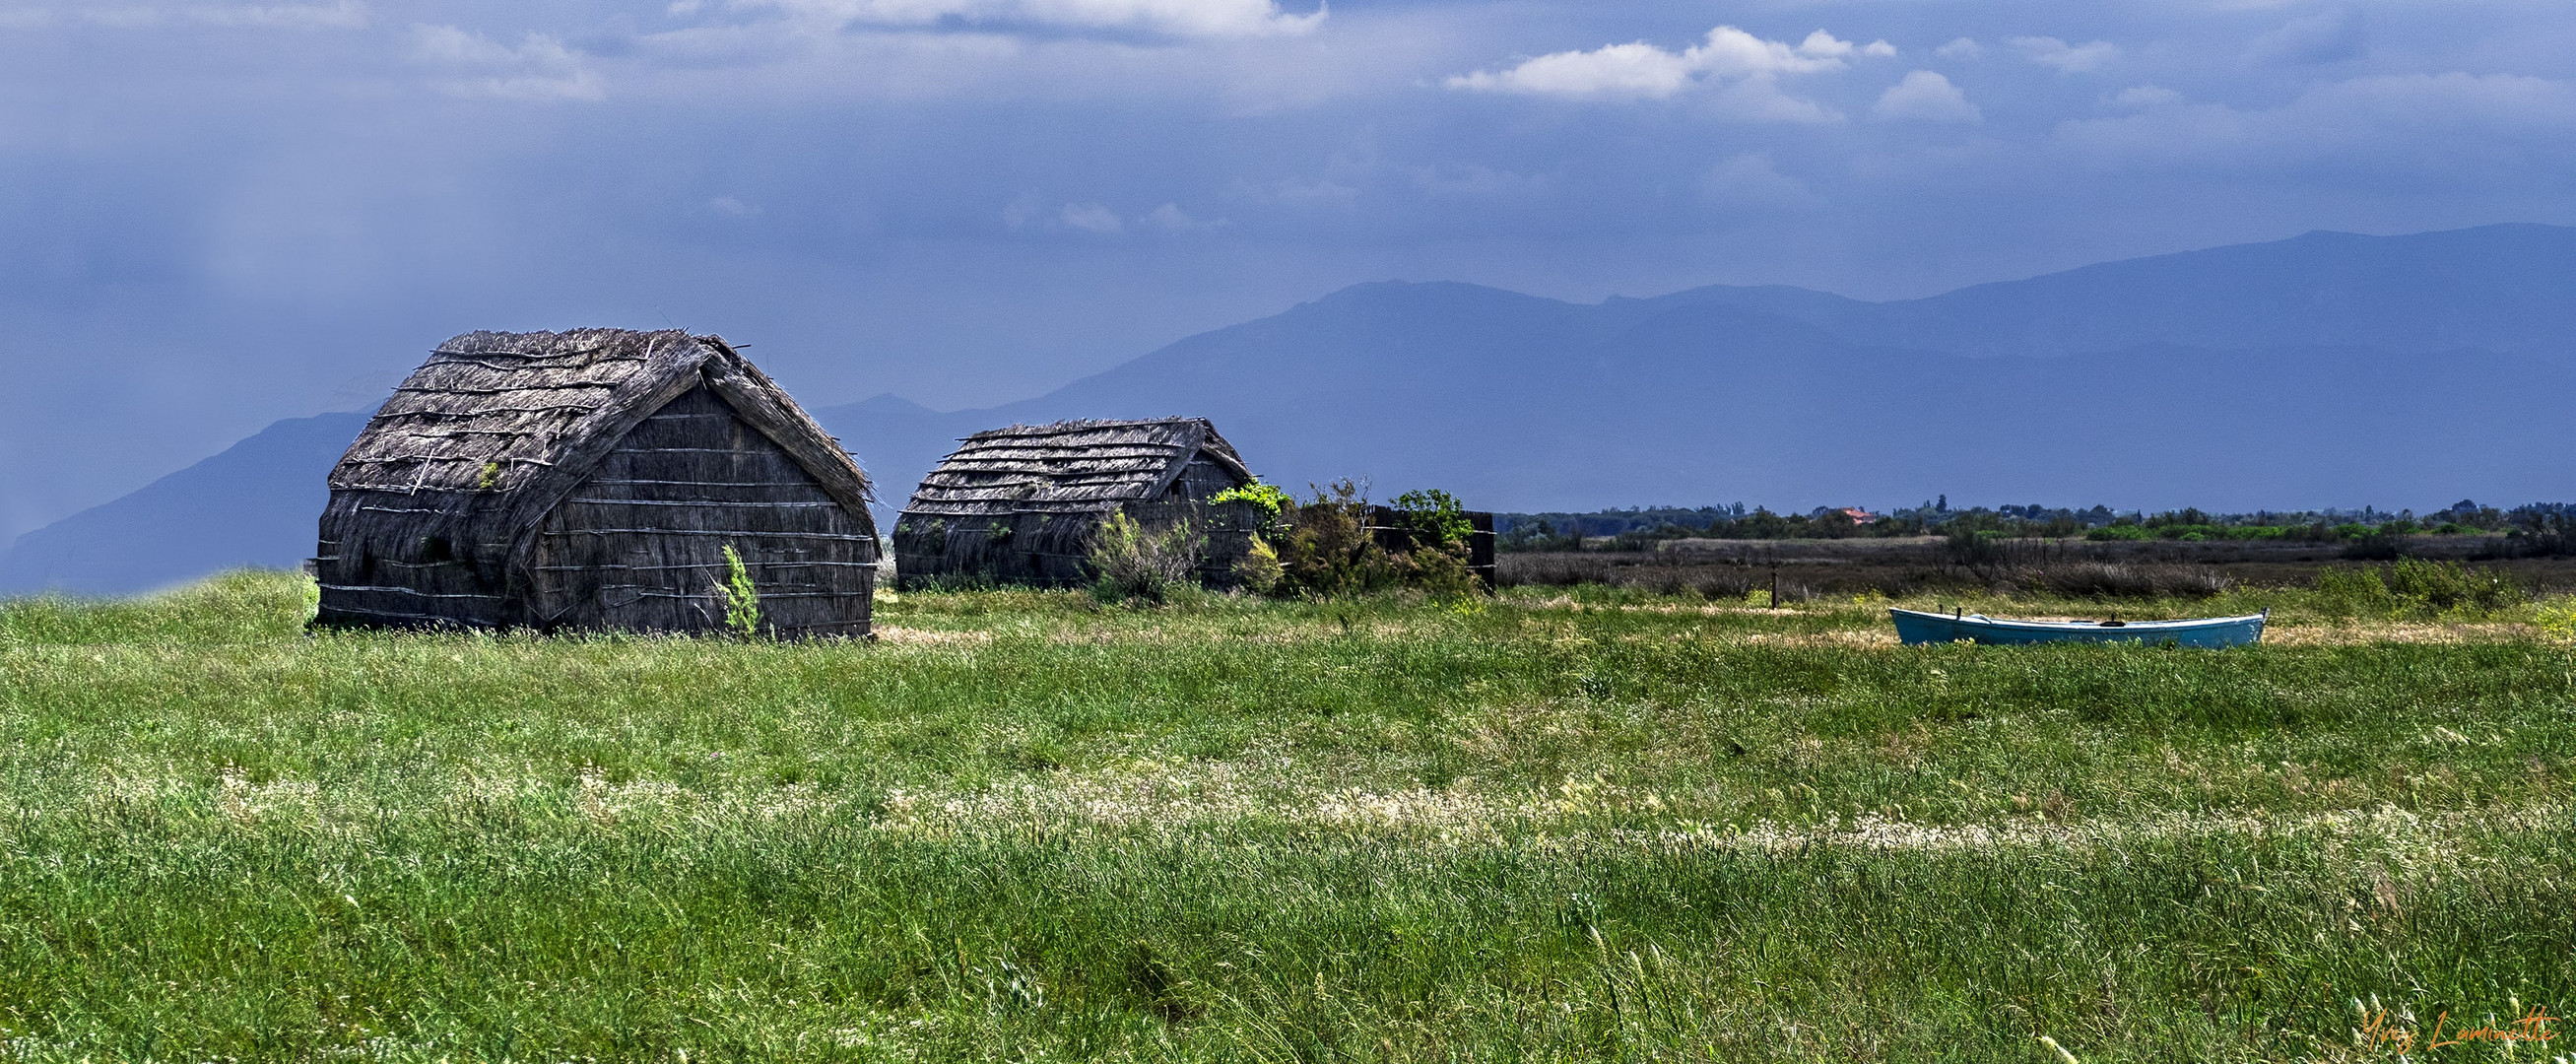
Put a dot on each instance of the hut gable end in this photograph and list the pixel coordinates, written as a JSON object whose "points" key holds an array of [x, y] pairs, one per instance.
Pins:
{"points": [[468, 497], [1019, 504], [639, 545]]}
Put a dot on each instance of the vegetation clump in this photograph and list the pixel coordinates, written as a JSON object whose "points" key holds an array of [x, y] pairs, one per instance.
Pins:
{"points": [[2556, 618], [1271, 498], [1328, 546], [739, 597], [2416, 588], [1259, 570], [1136, 563]]}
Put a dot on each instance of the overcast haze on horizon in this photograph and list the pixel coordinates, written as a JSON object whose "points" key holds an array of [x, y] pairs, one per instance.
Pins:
{"points": [[219, 213]]}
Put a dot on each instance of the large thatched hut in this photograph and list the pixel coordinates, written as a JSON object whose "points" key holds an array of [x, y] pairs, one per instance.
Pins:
{"points": [[592, 480], [1019, 505]]}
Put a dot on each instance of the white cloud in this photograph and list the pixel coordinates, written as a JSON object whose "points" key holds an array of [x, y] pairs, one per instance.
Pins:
{"points": [[540, 68], [1327, 191], [1961, 48], [1179, 18], [1745, 65], [2472, 124], [732, 208], [1170, 218], [2325, 37], [2143, 96], [346, 14], [1730, 52], [1759, 99], [1476, 181], [2067, 58], [1028, 211], [1823, 43], [1925, 96], [1090, 218], [1750, 180], [1637, 69], [1023, 209], [340, 14]]}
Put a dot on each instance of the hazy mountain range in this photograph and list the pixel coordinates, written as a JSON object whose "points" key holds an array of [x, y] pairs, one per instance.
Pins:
{"points": [[2328, 369]]}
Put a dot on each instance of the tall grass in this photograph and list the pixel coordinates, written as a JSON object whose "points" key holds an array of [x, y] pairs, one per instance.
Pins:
{"points": [[2417, 588], [1134, 562], [1570, 826]]}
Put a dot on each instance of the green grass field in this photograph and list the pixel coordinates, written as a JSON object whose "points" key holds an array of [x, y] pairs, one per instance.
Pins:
{"points": [[1564, 826]]}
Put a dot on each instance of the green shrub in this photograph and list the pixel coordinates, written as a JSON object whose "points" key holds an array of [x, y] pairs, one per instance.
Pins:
{"points": [[1436, 516], [2414, 587], [1975, 548], [1134, 562], [740, 598], [1259, 570], [1328, 549], [2445, 586], [1269, 497], [1440, 570], [2557, 618]]}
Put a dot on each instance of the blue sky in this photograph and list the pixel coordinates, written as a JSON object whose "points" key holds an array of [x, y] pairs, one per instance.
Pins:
{"points": [[220, 213]]}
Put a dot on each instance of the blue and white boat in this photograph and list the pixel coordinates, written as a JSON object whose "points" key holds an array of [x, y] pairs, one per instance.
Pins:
{"points": [[1915, 628]]}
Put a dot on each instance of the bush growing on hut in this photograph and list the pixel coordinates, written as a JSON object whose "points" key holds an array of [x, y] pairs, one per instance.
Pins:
{"points": [[1325, 547], [1328, 546], [740, 596], [1259, 570], [1269, 497], [1135, 562]]}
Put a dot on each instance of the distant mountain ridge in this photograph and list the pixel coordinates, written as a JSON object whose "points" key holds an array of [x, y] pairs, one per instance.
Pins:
{"points": [[2501, 288], [258, 503], [2324, 369]]}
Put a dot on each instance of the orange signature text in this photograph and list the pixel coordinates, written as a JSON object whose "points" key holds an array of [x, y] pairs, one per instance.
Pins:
{"points": [[2531, 1026]]}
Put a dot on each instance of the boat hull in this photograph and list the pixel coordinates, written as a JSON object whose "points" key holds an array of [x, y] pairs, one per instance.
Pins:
{"points": [[1915, 628]]}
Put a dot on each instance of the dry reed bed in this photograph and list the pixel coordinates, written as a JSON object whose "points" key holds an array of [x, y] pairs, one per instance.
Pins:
{"points": [[1167, 799]]}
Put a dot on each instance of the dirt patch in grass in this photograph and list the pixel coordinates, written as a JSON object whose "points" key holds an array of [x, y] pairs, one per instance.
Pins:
{"points": [[2361, 632], [930, 637]]}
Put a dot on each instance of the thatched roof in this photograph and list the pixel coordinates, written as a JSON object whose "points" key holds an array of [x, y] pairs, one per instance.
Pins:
{"points": [[1069, 466], [513, 421]]}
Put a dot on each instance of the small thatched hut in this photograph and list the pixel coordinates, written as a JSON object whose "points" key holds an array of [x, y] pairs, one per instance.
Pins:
{"points": [[1019, 505], [592, 480]]}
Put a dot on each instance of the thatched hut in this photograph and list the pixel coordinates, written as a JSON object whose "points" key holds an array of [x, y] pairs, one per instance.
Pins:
{"points": [[1019, 505], [592, 480]]}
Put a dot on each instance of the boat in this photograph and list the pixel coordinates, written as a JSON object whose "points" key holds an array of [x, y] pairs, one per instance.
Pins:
{"points": [[1915, 627]]}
